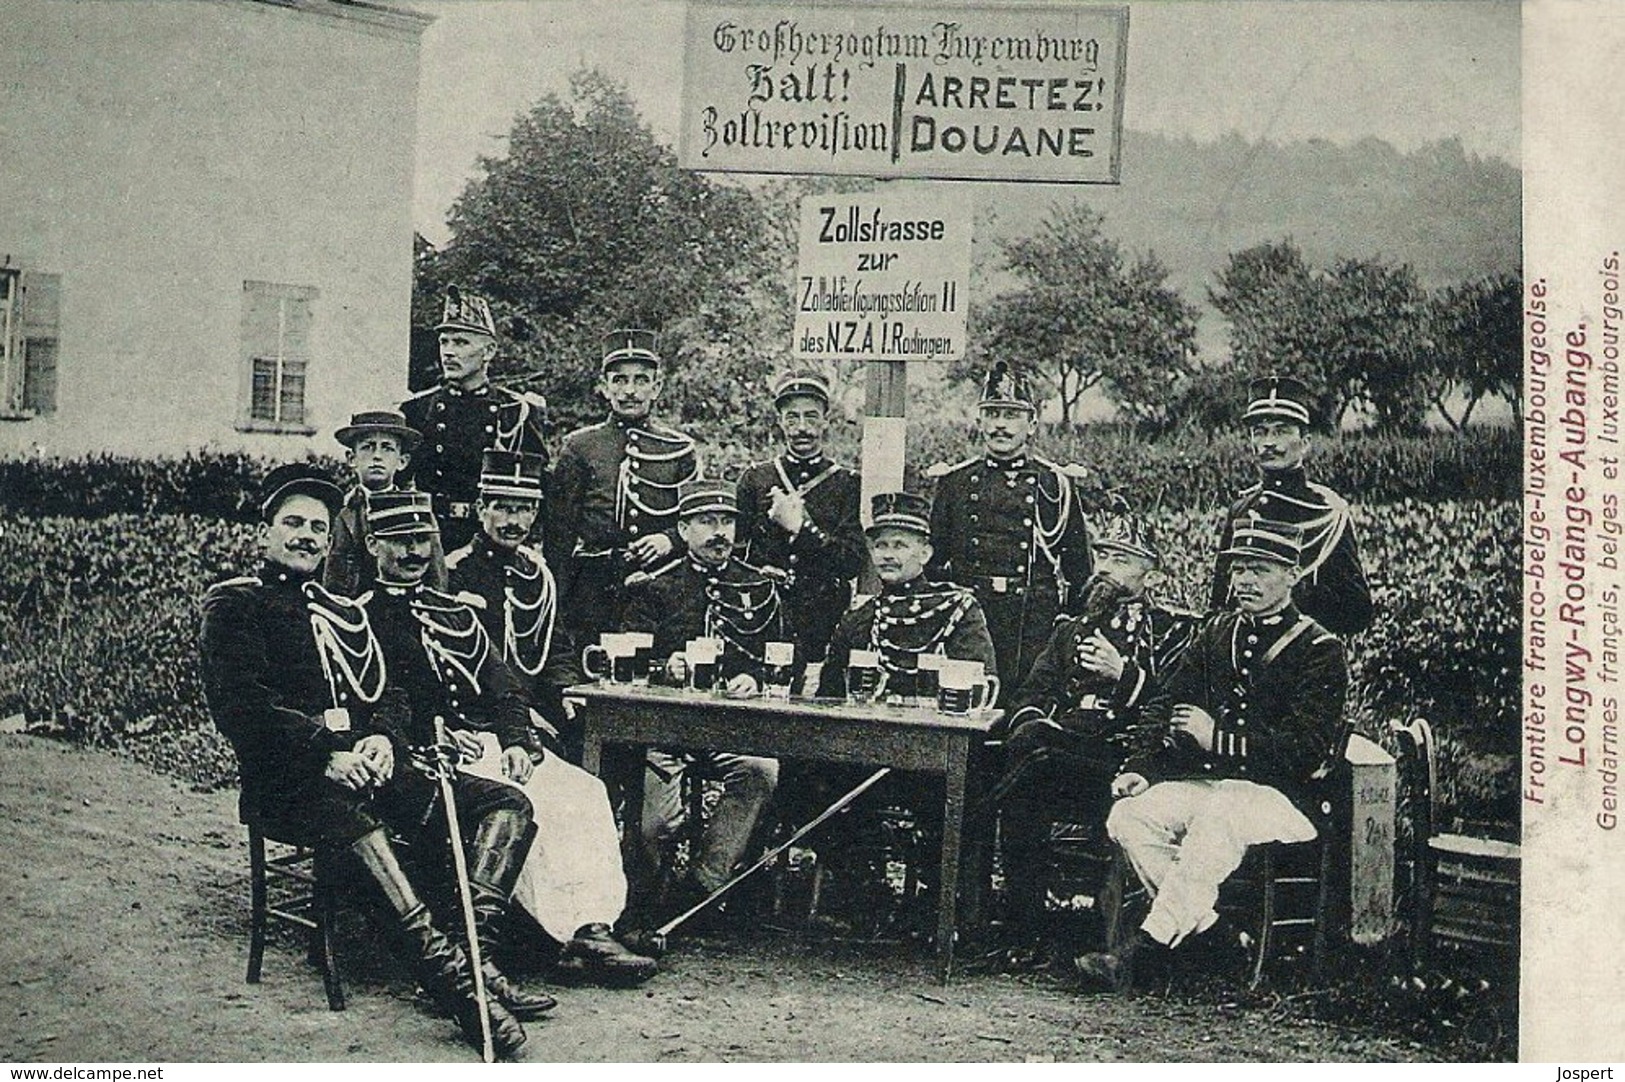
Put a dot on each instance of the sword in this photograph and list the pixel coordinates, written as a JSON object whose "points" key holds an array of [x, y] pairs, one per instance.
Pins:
{"points": [[464, 895], [767, 858]]}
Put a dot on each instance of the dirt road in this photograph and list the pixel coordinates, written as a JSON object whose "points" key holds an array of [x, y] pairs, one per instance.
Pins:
{"points": [[123, 934]]}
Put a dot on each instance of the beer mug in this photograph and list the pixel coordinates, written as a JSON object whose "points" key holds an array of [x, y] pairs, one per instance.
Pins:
{"points": [[863, 676], [927, 671], [965, 687], [616, 650], [703, 656], [643, 649], [780, 669]]}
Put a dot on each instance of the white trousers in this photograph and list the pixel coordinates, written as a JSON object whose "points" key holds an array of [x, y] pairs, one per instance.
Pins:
{"points": [[1185, 838], [573, 875]]}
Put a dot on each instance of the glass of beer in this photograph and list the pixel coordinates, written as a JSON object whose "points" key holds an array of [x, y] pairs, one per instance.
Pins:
{"points": [[643, 649], [703, 657], [965, 686], [780, 659], [862, 676], [614, 653], [927, 670]]}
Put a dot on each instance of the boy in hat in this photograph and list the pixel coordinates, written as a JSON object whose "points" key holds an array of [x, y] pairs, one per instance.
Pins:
{"points": [[613, 499], [1255, 714], [465, 414], [706, 592], [1333, 587], [294, 678], [572, 882], [1009, 525], [378, 446], [1079, 715], [800, 515]]}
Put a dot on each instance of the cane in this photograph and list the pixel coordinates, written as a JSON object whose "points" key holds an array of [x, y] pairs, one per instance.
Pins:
{"points": [[460, 864], [767, 858]]}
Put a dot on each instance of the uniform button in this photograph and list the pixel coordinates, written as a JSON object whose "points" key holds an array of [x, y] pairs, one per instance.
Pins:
{"points": [[975, 478], [974, 497], [632, 512], [1247, 653], [454, 702], [976, 541], [1252, 640], [1010, 483], [1207, 766], [1026, 522], [489, 429], [439, 447], [792, 557], [1031, 480], [440, 426], [632, 528], [1029, 497], [975, 518]]}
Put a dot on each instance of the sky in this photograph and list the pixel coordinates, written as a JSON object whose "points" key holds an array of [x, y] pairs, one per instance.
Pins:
{"points": [[1406, 71]]}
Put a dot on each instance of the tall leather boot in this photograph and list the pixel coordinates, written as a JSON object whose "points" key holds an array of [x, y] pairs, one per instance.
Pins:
{"points": [[501, 844], [442, 967]]}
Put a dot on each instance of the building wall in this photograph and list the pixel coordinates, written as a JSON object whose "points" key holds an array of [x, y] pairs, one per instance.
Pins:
{"points": [[157, 155]]}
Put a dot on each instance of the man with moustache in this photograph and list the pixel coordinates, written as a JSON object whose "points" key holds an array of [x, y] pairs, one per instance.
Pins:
{"points": [[612, 504], [1009, 525], [441, 664], [799, 512], [1332, 589], [464, 415], [1079, 716], [572, 882], [294, 678], [910, 617], [705, 593], [1255, 716]]}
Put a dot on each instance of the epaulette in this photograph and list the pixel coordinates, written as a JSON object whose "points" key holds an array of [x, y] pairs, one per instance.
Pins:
{"points": [[315, 591], [1077, 471], [534, 555], [428, 596], [425, 393], [534, 400], [670, 435], [456, 556], [665, 568], [240, 580], [471, 599], [943, 469], [1333, 499], [584, 430]]}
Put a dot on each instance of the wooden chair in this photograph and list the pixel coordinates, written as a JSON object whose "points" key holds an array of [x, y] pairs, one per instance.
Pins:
{"points": [[1463, 890], [295, 885]]}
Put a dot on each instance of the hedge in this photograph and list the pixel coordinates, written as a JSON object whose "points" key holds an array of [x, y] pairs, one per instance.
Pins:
{"points": [[100, 620], [1484, 464]]}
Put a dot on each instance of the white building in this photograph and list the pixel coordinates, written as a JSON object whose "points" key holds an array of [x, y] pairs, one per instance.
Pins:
{"points": [[205, 221]]}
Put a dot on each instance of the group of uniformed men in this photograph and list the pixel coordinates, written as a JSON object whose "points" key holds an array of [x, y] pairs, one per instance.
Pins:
{"points": [[413, 630]]}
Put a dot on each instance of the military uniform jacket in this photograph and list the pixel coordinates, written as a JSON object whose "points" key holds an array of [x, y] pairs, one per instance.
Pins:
{"points": [[1333, 590], [827, 553], [277, 652], [458, 427], [441, 663], [1014, 532], [1276, 688], [350, 569], [616, 481], [1151, 640], [516, 597], [687, 600], [904, 621]]}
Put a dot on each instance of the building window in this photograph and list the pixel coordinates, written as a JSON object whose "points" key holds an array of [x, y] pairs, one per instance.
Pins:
{"points": [[276, 353], [30, 305]]}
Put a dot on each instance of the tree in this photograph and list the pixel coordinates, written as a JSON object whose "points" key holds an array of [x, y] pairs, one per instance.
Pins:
{"points": [[1081, 318], [1477, 332], [586, 224], [1356, 333]]}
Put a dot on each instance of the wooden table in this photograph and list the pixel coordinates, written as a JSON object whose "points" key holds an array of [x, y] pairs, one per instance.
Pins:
{"points": [[905, 738]]}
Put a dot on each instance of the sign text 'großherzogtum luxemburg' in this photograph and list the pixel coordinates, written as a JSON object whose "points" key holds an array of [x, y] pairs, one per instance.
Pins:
{"points": [[1010, 93]]}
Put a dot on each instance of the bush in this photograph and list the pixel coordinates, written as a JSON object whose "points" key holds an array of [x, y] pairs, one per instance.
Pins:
{"points": [[102, 618], [1185, 471]]}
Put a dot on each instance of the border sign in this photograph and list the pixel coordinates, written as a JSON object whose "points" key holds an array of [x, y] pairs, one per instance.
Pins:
{"points": [[887, 90], [883, 276]]}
